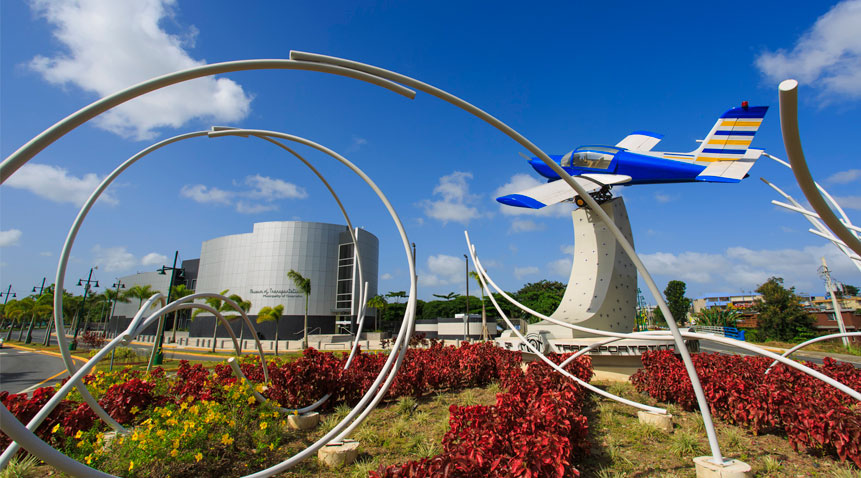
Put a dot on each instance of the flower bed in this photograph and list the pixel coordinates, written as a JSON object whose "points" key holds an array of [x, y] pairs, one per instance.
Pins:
{"points": [[535, 429], [811, 413], [205, 423]]}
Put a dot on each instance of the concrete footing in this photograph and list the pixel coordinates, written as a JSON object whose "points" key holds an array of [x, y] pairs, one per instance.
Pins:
{"points": [[336, 455], [306, 421], [663, 422], [729, 469]]}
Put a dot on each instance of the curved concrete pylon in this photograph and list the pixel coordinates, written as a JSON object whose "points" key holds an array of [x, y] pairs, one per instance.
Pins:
{"points": [[792, 143]]}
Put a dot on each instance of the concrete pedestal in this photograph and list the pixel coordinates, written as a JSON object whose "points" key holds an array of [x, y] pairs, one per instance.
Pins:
{"points": [[303, 422], [730, 469], [663, 422], [336, 455]]}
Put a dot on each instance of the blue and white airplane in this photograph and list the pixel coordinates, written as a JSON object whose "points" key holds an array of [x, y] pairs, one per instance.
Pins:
{"points": [[724, 156]]}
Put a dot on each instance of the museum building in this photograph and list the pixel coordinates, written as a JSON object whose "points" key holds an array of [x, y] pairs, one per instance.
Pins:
{"points": [[255, 265]]}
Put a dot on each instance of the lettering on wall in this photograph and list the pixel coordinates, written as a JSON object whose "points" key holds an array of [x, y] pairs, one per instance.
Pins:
{"points": [[275, 293]]}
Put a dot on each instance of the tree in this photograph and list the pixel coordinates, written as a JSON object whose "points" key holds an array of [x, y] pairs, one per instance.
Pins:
{"points": [[15, 310], [781, 316], [141, 293], [484, 333], [676, 300], [449, 296], [543, 297], [304, 285], [218, 305], [267, 314], [717, 317], [43, 305], [243, 304], [658, 316], [848, 291], [377, 302]]}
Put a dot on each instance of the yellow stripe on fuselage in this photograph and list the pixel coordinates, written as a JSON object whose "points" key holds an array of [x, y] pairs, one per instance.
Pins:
{"points": [[686, 158], [709, 159]]}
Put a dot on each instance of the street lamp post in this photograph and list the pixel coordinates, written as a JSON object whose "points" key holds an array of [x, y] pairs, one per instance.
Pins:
{"points": [[158, 357], [466, 313], [73, 345], [119, 285], [6, 295], [33, 319]]}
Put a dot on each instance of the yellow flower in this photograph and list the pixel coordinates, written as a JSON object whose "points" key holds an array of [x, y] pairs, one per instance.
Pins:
{"points": [[159, 433], [194, 409], [88, 459], [198, 457], [183, 406], [131, 465], [56, 427], [271, 446], [250, 400], [79, 435], [135, 410], [263, 425], [174, 452], [232, 423], [226, 439]]}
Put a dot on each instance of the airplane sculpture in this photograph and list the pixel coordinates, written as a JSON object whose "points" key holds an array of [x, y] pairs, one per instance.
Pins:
{"points": [[724, 156]]}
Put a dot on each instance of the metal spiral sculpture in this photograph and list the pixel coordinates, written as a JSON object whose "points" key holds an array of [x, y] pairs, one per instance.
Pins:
{"points": [[394, 82]]}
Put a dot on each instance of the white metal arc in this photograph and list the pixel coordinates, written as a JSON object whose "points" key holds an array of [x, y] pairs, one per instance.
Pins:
{"points": [[544, 358], [69, 123], [717, 457], [813, 341]]}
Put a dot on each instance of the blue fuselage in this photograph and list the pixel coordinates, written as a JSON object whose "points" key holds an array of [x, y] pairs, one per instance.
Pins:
{"points": [[641, 168]]}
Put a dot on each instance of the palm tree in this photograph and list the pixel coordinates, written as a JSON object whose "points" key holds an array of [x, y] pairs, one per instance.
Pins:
{"points": [[267, 314], [449, 296], [221, 306], [112, 296], [484, 334], [15, 310], [178, 292], [401, 294], [304, 285], [245, 305], [141, 292], [377, 302], [43, 305]]}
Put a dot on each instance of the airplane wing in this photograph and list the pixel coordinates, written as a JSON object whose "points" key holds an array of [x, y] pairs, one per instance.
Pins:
{"points": [[640, 141], [558, 191]]}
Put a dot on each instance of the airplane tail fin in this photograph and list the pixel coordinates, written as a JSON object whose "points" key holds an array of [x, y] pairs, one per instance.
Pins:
{"points": [[726, 150]]}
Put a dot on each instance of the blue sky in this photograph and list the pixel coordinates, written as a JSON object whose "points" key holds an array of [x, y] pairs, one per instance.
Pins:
{"points": [[563, 74]]}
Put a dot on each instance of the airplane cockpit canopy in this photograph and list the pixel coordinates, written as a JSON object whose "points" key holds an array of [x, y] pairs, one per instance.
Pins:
{"points": [[593, 157]]}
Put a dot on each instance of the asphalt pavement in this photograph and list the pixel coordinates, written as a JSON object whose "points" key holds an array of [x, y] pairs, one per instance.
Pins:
{"points": [[23, 370]]}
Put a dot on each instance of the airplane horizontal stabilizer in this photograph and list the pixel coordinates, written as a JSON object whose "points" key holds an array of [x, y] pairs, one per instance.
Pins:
{"points": [[640, 141], [558, 191]]}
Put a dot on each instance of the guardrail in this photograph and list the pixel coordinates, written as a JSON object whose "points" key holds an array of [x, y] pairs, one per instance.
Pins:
{"points": [[730, 332]]}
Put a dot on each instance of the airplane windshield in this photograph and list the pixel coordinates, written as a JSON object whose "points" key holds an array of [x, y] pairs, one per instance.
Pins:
{"points": [[593, 157]]}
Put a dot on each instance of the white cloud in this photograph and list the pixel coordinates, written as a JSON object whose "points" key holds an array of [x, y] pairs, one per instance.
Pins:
{"points": [[113, 258], [244, 207], [356, 144], [521, 272], [845, 177], [203, 194], [385, 276], [456, 203], [664, 198], [56, 184], [827, 56], [269, 189], [45, 254], [443, 269], [112, 45], [741, 268], [261, 188], [525, 225], [849, 202], [561, 267], [521, 181], [154, 259], [10, 237]]}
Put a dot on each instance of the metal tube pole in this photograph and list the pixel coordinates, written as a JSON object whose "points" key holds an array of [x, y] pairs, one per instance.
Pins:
{"points": [[158, 357], [466, 314], [74, 344]]}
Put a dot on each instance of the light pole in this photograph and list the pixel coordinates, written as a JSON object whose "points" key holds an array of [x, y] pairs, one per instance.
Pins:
{"points": [[33, 319], [158, 357], [466, 313], [119, 285], [8, 290], [73, 345]]}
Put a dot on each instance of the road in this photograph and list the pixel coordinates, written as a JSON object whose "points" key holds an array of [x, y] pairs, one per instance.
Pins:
{"points": [[815, 357], [25, 370]]}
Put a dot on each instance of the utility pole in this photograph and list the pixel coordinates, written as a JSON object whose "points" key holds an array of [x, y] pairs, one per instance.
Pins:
{"points": [[119, 285], [826, 274], [158, 356]]}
